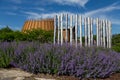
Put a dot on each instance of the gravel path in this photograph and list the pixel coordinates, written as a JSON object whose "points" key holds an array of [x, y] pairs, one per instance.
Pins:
{"points": [[17, 74]]}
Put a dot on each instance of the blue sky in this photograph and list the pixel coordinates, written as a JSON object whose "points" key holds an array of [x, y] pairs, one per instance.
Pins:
{"points": [[15, 12]]}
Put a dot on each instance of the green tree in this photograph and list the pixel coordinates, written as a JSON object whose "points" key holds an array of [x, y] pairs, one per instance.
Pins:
{"points": [[7, 34], [116, 42], [40, 35], [6, 30]]}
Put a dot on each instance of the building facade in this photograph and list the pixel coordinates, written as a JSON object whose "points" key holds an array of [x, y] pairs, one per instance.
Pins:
{"points": [[44, 24]]}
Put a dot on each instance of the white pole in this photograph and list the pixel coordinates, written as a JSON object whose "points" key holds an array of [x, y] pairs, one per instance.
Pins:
{"points": [[110, 35], [91, 31], [97, 31], [58, 29], [71, 18], [54, 28], [101, 36], [88, 31], [80, 18], [66, 27], [85, 23], [76, 25], [107, 34], [61, 29], [104, 43]]}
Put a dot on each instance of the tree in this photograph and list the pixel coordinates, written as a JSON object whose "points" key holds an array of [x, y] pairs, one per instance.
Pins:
{"points": [[6, 30], [116, 42]]}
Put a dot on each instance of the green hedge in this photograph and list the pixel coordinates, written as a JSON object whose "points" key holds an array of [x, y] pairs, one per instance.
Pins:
{"points": [[6, 34], [116, 42]]}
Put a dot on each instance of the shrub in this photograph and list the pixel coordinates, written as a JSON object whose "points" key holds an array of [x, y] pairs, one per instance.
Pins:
{"points": [[4, 60], [90, 62], [81, 62], [6, 53], [39, 35], [6, 29], [116, 42], [116, 48], [6, 34]]}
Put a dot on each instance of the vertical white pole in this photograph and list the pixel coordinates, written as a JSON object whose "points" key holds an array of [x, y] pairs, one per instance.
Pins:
{"points": [[66, 27], [80, 18], [85, 23], [76, 25], [107, 34], [88, 31], [54, 28], [58, 29], [101, 36], [91, 31], [110, 34], [61, 29], [71, 17], [97, 31], [104, 43]]}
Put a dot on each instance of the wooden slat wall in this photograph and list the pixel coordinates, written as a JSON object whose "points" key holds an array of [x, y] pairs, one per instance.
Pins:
{"points": [[47, 24]]}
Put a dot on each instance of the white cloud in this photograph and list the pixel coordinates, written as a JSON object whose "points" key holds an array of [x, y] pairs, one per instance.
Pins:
{"points": [[82, 3], [103, 13], [38, 8], [1, 26], [115, 21], [103, 10], [41, 9], [33, 15]]}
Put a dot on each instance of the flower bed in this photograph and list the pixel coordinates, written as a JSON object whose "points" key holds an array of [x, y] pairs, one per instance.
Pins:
{"points": [[81, 62]]}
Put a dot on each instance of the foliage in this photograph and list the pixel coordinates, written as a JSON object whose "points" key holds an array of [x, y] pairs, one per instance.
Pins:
{"points": [[116, 39], [116, 42], [6, 29], [4, 60], [81, 62], [6, 52], [6, 34], [116, 48], [40, 35]]}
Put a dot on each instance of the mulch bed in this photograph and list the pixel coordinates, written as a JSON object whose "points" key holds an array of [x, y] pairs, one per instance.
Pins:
{"points": [[115, 76], [47, 76]]}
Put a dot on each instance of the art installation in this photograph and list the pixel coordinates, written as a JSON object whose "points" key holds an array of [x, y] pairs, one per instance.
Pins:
{"points": [[78, 30]]}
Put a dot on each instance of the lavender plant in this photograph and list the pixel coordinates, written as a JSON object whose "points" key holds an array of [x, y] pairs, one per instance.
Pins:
{"points": [[82, 62]]}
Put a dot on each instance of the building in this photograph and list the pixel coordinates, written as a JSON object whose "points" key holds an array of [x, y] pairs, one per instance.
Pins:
{"points": [[68, 34], [44, 24]]}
